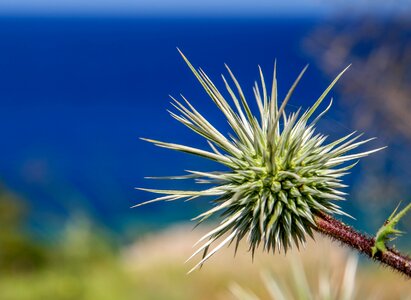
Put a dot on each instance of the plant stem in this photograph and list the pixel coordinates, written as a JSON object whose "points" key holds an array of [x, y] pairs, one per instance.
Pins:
{"points": [[363, 243]]}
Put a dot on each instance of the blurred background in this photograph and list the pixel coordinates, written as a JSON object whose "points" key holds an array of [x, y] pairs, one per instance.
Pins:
{"points": [[81, 81]]}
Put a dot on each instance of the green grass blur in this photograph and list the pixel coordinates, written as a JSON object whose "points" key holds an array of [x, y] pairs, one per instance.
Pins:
{"points": [[85, 262]]}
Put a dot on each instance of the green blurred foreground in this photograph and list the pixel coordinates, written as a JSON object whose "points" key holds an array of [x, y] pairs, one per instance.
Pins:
{"points": [[84, 264]]}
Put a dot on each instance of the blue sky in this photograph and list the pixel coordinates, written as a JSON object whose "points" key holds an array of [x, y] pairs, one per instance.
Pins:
{"points": [[199, 7]]}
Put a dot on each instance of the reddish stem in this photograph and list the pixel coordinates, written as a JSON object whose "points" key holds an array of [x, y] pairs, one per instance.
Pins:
{"points": [[345, 234]]}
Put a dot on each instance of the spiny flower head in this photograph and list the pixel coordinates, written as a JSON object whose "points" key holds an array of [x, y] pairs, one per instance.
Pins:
{"points": [[279, 172]]}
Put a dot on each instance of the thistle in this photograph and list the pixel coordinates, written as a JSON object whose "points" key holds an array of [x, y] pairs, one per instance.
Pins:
{"points": [[279, 176]]}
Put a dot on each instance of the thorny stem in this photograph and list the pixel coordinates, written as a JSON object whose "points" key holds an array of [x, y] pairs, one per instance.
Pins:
{"points": [[335, 229]]}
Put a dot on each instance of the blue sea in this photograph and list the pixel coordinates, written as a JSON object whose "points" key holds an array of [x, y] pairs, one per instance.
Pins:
{"points": [[77, 93]]}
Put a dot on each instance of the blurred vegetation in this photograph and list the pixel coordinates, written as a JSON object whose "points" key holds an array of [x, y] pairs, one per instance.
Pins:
{"points": [[81, 264], [18, 252], [86, 262], [377, 93]]}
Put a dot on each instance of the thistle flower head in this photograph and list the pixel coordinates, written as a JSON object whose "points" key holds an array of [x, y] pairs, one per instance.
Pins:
{"points": [[279, 173]]}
